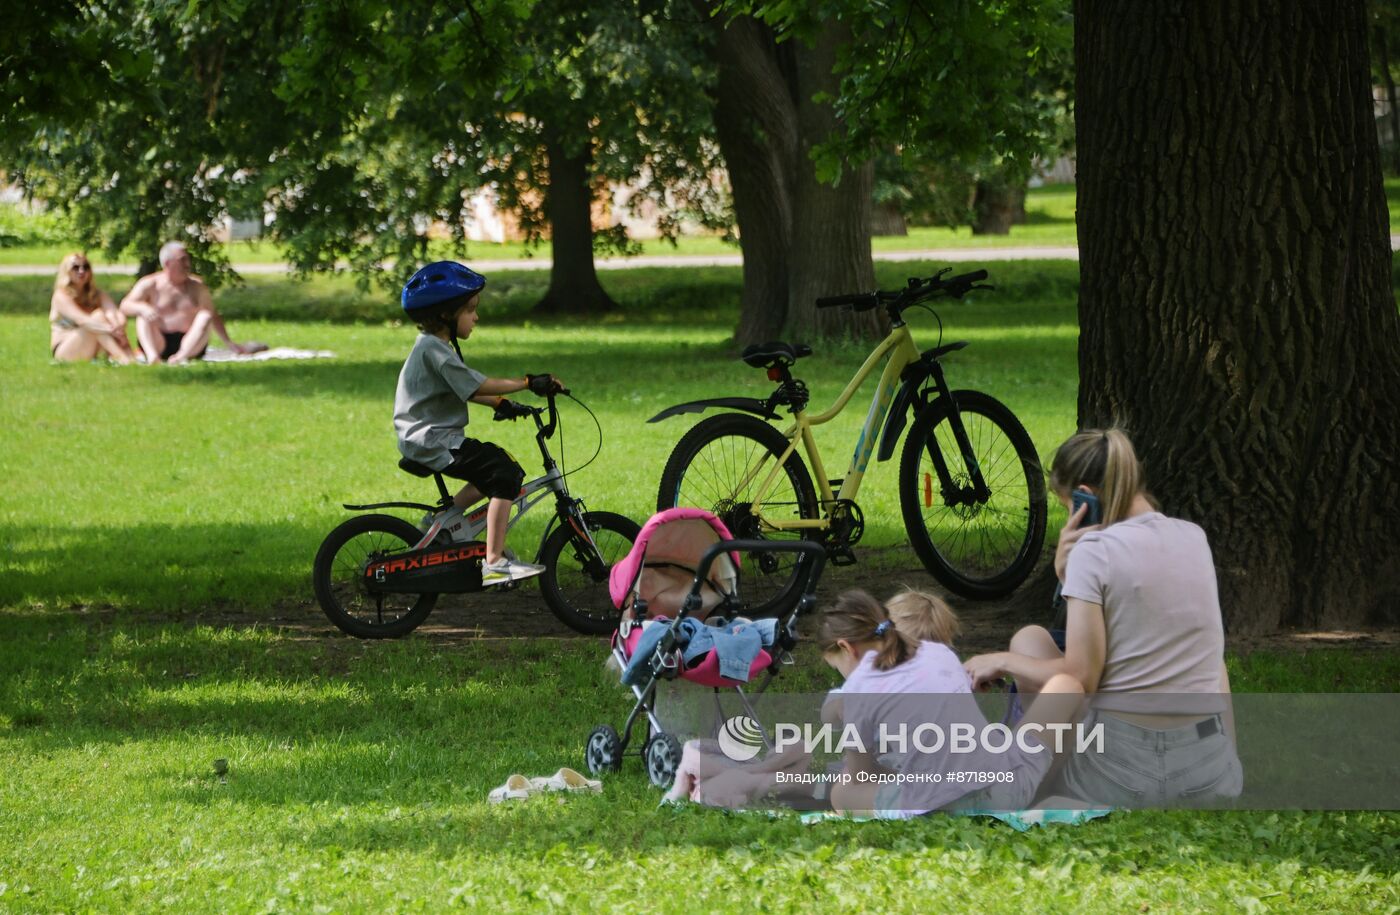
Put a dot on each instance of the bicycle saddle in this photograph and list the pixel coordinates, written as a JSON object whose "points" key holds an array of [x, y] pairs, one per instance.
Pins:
{"points": [[415, 468], [776, 352]]}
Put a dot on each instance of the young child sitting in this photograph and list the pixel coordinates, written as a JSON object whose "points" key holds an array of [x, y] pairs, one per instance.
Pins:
{"points": [[430, 406], [900, 673], [923, 617]]}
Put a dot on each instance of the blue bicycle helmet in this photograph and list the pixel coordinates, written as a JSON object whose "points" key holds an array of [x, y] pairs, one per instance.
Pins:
{"points": [[440, 286]]}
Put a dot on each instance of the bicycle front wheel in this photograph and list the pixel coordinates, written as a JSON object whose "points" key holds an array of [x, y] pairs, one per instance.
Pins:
{"points": [[575, 579], [718, 466], [338, 578], [980, 546]]}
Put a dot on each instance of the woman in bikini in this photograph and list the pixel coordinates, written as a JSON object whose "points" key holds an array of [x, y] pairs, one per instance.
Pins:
{"points": [[83, 319]]}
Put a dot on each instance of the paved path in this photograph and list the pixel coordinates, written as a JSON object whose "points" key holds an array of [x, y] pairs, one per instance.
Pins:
{"points": [[661, 260], [624, 263]]}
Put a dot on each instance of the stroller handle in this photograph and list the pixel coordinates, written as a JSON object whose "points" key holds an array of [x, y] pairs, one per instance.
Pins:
{"points": [[814, 555]]}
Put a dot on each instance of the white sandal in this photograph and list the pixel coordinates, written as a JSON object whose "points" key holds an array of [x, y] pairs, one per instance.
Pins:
{"points": [[566, 779], [516, 788]]}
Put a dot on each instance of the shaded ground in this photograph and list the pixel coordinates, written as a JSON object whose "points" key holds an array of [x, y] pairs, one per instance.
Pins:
{"points": [[521, 613]]}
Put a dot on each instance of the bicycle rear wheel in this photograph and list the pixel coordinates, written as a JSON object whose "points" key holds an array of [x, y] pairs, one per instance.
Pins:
{"points": [[338, 578], [710, 468], [981, 548]]}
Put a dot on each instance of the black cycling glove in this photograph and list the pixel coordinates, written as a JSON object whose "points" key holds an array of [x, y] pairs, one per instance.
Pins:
{"points": [[509, 409], [543, 385]]}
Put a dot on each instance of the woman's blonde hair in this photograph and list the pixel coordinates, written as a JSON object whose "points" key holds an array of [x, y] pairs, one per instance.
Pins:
{"points": [[923, 617], [88, 297], [1104, 459], [856, 617]]}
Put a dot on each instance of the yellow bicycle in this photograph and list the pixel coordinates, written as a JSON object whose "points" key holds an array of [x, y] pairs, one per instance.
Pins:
{"points": [[971, 488]]}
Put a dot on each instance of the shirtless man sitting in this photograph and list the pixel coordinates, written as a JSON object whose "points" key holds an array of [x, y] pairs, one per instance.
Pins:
{"points": [[174, 311]]}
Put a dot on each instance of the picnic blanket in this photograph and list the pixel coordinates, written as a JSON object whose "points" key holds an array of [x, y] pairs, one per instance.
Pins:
{"points": [[1019, 820], [265, 354]]}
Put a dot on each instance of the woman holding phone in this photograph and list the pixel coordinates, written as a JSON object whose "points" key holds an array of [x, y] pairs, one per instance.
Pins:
{"points": [[1143, 634]]}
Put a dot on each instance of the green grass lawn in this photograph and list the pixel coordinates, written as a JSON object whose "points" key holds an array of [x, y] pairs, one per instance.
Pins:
{"points": [[184, 487], [358, 771], [358, 774]]}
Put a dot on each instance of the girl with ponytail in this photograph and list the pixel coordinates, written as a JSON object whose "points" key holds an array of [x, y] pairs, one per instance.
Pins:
{"points": [[896, 683], [1144, 636]]}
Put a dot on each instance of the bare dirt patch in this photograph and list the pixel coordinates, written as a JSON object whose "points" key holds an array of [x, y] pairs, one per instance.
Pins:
{"points": [[521, 613]]}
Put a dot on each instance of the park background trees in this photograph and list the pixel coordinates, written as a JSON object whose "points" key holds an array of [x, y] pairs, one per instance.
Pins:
{"points": [[1235, 310]]}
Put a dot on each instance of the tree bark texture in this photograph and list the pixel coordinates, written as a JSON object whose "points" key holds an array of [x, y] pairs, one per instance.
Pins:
{"points": [[1236, 314], [801, 239], [756, 124], [887, 219], [573, 279], [997, 206], [831, 230]]}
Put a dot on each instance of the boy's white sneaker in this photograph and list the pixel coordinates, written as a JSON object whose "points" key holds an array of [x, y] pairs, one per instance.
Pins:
{"points": [[505, 569]]}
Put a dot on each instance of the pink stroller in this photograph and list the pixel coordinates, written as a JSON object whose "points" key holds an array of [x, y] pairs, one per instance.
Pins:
{"points": [[683, 569]]}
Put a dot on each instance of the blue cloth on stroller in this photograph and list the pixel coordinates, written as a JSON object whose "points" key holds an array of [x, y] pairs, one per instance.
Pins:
{"points": [[735, 645]]}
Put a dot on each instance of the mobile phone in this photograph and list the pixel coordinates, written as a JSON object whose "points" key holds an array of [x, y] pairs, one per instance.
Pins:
{"points": [[1079, 497]]}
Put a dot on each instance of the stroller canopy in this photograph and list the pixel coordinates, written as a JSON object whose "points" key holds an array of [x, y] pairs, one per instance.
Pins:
{"points": [[675, 537]]}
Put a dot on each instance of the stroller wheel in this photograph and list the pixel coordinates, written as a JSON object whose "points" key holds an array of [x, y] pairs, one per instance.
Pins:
{"points": [[663, 757], [604, 750]]}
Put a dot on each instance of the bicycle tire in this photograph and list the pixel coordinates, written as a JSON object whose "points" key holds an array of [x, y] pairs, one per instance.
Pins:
{"points": [[980, 551], [713, 455], [336, 575], [580, 600]]}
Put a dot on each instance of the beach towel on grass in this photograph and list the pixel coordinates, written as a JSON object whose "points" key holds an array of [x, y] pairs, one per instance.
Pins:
{"points": [[265, 355]]}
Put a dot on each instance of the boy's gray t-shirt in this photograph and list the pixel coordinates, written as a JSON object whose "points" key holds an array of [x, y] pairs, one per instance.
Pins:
{"points": [[430, 405], [1155, 579]]}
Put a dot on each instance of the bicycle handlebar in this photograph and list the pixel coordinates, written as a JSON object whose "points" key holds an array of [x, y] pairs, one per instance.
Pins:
{"points": [[897, 300]]}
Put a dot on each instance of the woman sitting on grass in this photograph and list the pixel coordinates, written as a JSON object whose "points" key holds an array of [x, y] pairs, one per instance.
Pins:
{"points": [[82, 318], [1143, 635]]}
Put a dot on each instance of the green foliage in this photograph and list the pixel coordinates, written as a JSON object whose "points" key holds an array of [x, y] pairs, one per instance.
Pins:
{"points": [[981, 83], [359, 126], [31, 229]]}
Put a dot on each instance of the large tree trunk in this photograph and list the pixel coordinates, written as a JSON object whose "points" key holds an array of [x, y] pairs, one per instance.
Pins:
{"points": [[886, 218], [573, 279], [1235, 305], [997, 205], [800, 239], [756, 125], [831, 232]]}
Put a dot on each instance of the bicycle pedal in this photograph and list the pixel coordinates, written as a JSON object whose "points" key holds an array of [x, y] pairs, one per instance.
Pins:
{"points": [[841, 556]]}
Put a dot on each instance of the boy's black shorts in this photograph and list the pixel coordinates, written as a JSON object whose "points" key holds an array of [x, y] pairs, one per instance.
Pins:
{"points": [[488, 467]]}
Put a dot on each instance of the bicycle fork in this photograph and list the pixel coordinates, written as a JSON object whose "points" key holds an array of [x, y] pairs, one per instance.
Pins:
{"points": [[953, 493]]}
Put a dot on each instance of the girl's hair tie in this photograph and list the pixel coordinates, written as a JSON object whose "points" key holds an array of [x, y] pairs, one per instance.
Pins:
{"points": [[882, 628]]}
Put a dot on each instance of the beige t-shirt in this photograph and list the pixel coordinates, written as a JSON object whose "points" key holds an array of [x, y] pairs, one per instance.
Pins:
{"points": [[1155, 579]]}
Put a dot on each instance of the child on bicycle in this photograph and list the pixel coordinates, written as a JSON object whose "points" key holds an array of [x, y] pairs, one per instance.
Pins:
{"points": [[430, 406]]}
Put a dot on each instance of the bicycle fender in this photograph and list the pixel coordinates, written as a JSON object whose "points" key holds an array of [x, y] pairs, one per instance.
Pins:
{"points": [[898, 415], [747, 404], [907, 396]]}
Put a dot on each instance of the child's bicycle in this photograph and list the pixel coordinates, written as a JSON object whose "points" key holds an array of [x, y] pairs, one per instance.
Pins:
{"points": [[377, 576], [971, 487]]}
